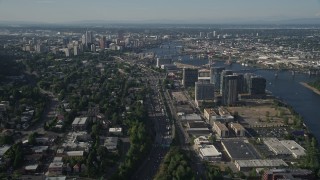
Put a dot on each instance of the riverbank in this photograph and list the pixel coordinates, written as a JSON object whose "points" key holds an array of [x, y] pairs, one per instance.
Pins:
{"points": [[315, 90]]}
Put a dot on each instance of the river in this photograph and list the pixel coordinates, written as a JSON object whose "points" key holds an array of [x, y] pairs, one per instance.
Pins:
{"points": [[285, 87]]}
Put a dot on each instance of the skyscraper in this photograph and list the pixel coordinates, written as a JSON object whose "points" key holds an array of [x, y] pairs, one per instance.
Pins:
{"points": [[224, 73], [102, 43], [240, 83], [257, 85], [204, 91], [75, 50], [88, 38], [93, 47], [230, 90], [189, 77], [215, 77]]}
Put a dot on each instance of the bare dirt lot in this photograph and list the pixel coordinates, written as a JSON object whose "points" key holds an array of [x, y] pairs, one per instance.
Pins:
{"points": [[262, 113]]}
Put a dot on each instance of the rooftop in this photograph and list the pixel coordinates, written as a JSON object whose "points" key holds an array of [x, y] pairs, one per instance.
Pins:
{"points": [[191, 117], [4, 149], [276, 146], [211, 111], [294, 148], [111, 143], [221, 126], [80, 121], [261, 163], [237, 126], [56, 165], [239, 149], [115, 129], [197, 124], [31, 167], [75, 153], [209, 150]]}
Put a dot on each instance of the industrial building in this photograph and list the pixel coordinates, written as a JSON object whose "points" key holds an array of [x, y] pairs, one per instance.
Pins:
{"points": [[296, 150], [247, 165], [275, 146], [210, 153], [239, 149]]}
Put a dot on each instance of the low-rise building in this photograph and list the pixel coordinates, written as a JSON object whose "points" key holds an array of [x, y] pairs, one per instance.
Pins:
{"points": [[291, 174], [296, 150], [198, 128], [74, 153], [111, 143], [247, 165], [80, 123], [55, 168], [31, 168], [115, 131], [208, 113], [221, 129], [210, 153], [239, 149], [238, 129], [201, 141], [190, 117], [275, 146]]}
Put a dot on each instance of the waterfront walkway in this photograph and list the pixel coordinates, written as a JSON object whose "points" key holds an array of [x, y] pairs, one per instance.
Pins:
{"points": [[310, 87]]}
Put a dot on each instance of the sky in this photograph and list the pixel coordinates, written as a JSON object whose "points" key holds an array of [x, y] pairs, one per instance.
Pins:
{"points": [[212, 11]]}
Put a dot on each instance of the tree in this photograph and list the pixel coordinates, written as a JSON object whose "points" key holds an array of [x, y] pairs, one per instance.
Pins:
{"points": [[32, 138]]}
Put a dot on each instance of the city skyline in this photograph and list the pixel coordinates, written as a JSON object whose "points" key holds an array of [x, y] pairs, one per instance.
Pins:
{"points": [[190, 11]]}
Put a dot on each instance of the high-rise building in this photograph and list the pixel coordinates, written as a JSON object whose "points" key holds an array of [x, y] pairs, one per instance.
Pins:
{"points": [[83, 39], [102, 43], [257, 85], [224, 73], [93, 47], [240, 83], [202, 35], [88, 38], [215, 77], [75, 50], [189, 77], [247, 82], [204, 91], [204, 75], [67, 52], [229, 90], [214, 33]]}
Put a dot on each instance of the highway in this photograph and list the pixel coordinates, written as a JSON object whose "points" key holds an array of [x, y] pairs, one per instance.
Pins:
{"points": [[159, 117]]}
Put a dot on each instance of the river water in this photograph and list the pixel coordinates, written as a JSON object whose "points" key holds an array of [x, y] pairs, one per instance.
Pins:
{"points": [[285, 86]]}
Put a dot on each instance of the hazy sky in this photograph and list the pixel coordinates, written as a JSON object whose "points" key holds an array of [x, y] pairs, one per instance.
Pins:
{"points": [[127, 10]]}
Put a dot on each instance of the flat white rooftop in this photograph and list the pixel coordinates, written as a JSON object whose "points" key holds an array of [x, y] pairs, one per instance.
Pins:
{"points": [[80, 121], [296, 150], [209, 151], [276, 146]]}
